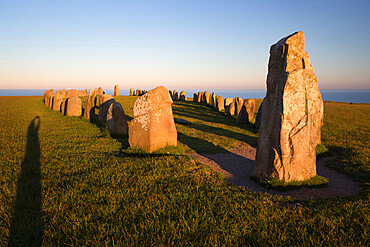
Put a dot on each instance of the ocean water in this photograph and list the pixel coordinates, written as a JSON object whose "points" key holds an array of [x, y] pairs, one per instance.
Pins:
{"points": [[355, 96]]}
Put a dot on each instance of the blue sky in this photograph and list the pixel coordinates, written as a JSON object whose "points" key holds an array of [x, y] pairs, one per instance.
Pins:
{"points": [[178, 44]]}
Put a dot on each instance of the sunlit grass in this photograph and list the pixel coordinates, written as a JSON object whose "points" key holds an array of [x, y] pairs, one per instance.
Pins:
{"points": [[96, 191]]}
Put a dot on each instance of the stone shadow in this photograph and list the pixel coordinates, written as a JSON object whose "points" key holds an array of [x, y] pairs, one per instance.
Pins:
{"points": [[26, 228]]}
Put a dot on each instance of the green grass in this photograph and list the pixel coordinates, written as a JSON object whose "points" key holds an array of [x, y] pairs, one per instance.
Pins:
{"points": [[281, 185], [69, 182]]}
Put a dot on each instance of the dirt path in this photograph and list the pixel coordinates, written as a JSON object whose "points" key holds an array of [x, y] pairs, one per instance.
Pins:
{"points": [[237, 167]]}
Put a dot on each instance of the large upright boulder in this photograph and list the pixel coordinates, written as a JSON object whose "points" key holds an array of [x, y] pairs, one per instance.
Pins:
{"points": [[238, 105], [153, 126], [116, 90], [206, 97], [63, 93], [57, 101], [195, 97], [230, 109], [213, 100], [200, 97], [71, 92], [91, 92], [182, 95], [247, 112], [100, 90], [104, 103], [47, 95], [132, 92], [220, 103], [73, 106], [116, 120], [175, 95], [89, 107], [137, 92], [292, 114]]}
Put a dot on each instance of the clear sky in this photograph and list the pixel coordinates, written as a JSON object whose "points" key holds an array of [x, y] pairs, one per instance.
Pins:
{"points": [[179, 44]]}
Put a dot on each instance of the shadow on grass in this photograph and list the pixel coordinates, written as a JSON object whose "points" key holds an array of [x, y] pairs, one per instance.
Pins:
{"points": [[26, 228]]}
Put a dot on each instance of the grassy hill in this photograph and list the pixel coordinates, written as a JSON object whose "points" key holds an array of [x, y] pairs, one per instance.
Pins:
{"points": [[67, 181]]}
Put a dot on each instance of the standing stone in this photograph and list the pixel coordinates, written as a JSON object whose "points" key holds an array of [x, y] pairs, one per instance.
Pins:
{"points": [[238, 105], [220, 103], [85, 93], [91, 92], [213, 100], [132, 92], [89, 107], [200, 97], [63, 93], [73, 106], [292, 114], [100, 91], [104, 98], [63, 107], [116, 90], [57, 100], [47, 95], [51, 101], [153, 126], [228, 101], [137, 92], [195, 97], [258, 121], [247, 112], [171, 94], [206, 97], [175, 95], [104, 103], [71, 92], [182, 95], [230, 109], [116, 120]]}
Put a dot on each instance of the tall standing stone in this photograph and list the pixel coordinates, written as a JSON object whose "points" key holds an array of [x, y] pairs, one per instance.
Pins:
{"points": [[91, 92], [247, 112], [100, 91], [175, 95], [206, 97], [132, 92], [89, 107], [57, 101], [195, 97], [213, 100], [200, 97], [220, 103], [238, 105], [153, 126], [73, 106], [116, 120], [47, 95], [137, 92], [104, 102], [63, 93], [116, 90], [182, 95], [292, 114], [230, 109]]}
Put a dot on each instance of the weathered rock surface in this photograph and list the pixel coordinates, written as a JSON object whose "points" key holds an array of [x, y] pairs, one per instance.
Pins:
{"points": [[220, 103], [182, 95], [153, 126], [73, 106], [213, 100], [230, 109], [247, 112], [100, 91], [137, 92], [238, 105], [175, 95], [116, 119], [63, 93], [47, 95], [195, 97], [132, 92], [206, 97], [258, 121], [57, 101], [116, 90], [228, 101], [104, 103], [292, 114], [200, 97], [63, 107], [91, 92], [51, 98], [89, 108], [71, 92]]}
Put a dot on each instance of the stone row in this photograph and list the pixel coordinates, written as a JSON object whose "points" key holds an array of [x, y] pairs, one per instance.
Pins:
{"points": [[137, 92], [152, 128], [242, 109]]}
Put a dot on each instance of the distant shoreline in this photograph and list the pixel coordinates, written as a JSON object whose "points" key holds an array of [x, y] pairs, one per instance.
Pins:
{"points": [[337, 95]]}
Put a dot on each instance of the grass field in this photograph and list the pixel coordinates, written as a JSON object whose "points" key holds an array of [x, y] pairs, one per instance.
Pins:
{"points": [[66, 181]]}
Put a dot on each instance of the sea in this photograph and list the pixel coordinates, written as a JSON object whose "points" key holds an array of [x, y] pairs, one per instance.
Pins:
{"points": [[354, 96]]}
